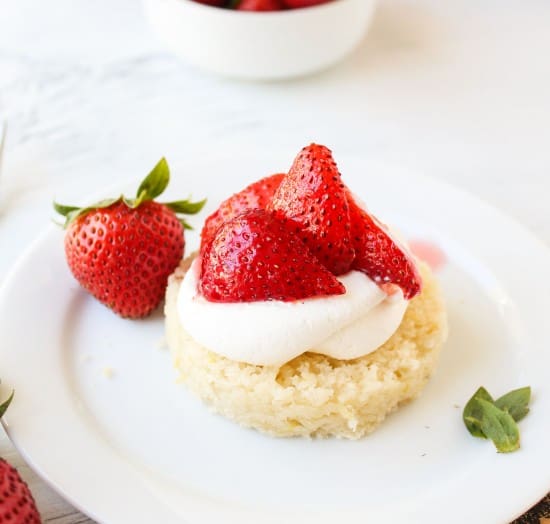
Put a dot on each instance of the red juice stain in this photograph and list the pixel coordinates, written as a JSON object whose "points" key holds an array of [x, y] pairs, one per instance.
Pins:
{"points": [[429, 252]]}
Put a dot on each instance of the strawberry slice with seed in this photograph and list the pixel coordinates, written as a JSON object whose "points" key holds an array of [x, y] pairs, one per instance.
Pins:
{"points": [[381, 257], [313, 199], [255, 257], [254, 196]]}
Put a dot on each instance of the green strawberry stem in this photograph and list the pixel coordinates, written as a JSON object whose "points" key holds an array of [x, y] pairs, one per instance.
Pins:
{"points": [[154, 183], [152, 186], [5, 404]]}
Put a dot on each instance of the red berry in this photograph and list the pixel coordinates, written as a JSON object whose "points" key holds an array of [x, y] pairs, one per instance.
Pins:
{"points": [[313, 198], [380, 256], [260, 5], [254, 196], [295, 4], [17, 504], [123, 256], [123, 250], [255, 257]]}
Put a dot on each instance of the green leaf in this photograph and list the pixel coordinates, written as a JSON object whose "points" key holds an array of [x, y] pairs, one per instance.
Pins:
{"points": [[499, 426], [154, 183], [473, 413], [186, 225], [72, 216], [5, 405], [64, 210], [72, 213], [515, 402], [185, 206], [131, 202], [152, 186]]}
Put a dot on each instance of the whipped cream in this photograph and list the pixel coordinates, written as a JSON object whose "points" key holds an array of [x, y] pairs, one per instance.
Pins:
{"points": [[272, 333]]}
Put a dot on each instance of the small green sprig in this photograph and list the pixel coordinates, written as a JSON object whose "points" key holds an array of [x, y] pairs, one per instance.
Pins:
{"points": [[151, 187], [5, 404], [496, 419]]}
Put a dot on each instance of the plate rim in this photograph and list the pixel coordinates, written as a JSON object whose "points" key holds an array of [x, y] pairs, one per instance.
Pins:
{"points": [[47, 231]]}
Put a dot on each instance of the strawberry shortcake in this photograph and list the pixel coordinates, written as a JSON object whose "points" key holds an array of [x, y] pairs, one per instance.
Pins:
{"points": [[302, 314]]}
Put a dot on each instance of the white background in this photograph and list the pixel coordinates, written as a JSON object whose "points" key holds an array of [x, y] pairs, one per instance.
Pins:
{"points": [[459, 90]]}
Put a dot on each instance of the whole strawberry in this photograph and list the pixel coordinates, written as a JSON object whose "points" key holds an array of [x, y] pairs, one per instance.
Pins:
{"points": [[123, 250], [17, 504]]}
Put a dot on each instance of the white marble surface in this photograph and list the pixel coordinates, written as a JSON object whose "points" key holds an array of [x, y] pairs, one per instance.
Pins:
{"points": [[456, 89]]}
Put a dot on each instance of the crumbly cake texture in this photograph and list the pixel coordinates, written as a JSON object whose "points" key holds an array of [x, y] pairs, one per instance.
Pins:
{"points": [[314, 395]]}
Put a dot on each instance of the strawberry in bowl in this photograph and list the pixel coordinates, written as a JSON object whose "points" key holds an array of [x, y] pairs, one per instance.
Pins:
{"points": [[302, 314], [262, 5], [260, 39]]}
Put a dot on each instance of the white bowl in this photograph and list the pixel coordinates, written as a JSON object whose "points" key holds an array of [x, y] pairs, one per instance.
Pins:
{"points": [[260, 45]]}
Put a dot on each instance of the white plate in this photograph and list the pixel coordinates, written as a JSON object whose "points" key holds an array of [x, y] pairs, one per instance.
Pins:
{"points": [[137, 447]]}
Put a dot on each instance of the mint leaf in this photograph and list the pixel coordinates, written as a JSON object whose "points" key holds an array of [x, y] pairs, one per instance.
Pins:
{"points": [[496, 419], [499, 426], [473, 412], [154, 183], [516, 402]]}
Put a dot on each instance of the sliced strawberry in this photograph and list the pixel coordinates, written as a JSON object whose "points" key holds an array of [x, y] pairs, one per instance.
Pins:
{"points": [[380, 256], [254, 196], [254, 257], [312, 196], [260, 5]]}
